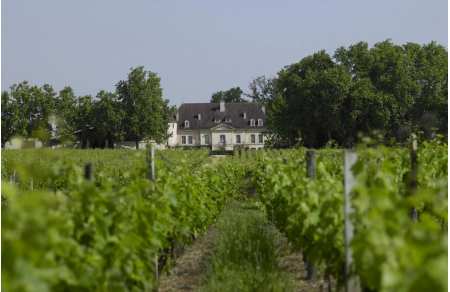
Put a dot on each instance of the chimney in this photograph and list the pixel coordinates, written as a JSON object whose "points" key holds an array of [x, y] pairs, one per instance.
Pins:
{"points": [[222, 106], [263, 108]]}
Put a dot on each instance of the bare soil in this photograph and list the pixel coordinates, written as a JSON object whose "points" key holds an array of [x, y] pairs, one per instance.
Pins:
{"points": [[292, 263], [189, 270]]}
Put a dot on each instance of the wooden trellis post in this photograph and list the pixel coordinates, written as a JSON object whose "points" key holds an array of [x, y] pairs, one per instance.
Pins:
{"points": [[311, 164], [152, 177], [151, 160], [156, 267], [351, 281], [412, 180], [12, 178], [88, 171], [311, 174]]}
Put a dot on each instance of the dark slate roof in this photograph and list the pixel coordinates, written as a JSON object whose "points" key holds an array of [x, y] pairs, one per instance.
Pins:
{"points": [[210, 112]]}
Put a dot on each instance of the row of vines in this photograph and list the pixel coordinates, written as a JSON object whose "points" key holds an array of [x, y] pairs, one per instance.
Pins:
{"points": [[391, 251], [114, 232], [63, 232]]}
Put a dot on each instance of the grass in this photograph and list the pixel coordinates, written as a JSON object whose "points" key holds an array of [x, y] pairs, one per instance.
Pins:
{"points": [[246, 253]]}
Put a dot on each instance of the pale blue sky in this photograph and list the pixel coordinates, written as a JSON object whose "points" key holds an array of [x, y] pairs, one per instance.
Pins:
{"points": [[197, 47]]}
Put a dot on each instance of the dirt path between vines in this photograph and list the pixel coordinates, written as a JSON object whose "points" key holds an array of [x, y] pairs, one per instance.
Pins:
{"points": [[189, 271], [291, 262], [190, 267]]}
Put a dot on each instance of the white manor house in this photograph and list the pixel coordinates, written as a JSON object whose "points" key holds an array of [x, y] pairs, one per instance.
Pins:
{"points": [[218, 126]]}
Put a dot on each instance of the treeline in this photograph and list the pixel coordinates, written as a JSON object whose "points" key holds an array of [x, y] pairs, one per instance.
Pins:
{"points": [[134, 111], [388, 91]]}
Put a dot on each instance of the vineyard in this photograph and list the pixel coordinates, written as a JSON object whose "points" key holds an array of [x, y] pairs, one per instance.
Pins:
{"points": [[92, 220]]}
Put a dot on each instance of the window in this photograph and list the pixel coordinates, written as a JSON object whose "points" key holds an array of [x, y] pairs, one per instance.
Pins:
{"points": [[260, 138], [252, 122], [183, 140], [222, 139], [228, 120], [199, 117], [244, 115], [253, 138], [186, 124], [190, 140], [238, 139], [260, 122], [206, 139]]}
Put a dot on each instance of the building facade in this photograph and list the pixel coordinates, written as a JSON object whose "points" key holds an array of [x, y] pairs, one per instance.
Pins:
{"points": [[219, 126]]}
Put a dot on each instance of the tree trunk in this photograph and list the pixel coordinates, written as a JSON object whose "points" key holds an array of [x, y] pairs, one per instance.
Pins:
{"points": [[137, 145]]}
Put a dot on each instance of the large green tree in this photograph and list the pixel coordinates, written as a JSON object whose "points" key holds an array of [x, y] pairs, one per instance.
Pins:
{"points": [[313, 90], [66, 111], [83, 120], [261, 90], [108, 119], [27, 110], [146, 112], [10, 117], [389, 89]]}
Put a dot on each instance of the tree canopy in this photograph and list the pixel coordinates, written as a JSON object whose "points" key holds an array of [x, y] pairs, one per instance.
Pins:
{"points": [[390, 89], [146, 113], [135, 111], [231, 95]]}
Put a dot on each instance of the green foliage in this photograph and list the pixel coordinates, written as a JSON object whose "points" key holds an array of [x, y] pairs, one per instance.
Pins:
{"points": [[231, 95], [64, 233], [387, 244], [246, 253], [392, 89], [107, 117], [261, 89], [102, 235], [305, 209], [10, 117], [26, 109], [146, 113], [135, 111]]}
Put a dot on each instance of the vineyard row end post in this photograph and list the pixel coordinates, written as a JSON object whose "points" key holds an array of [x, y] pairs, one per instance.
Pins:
{"points": [[351, 281], [412, 182], [88, 171], [151, 166], [311, 174], [152, 177]]}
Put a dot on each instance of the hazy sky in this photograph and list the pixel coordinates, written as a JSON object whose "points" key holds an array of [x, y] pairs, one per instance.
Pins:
{"points": [[196, 46]]}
